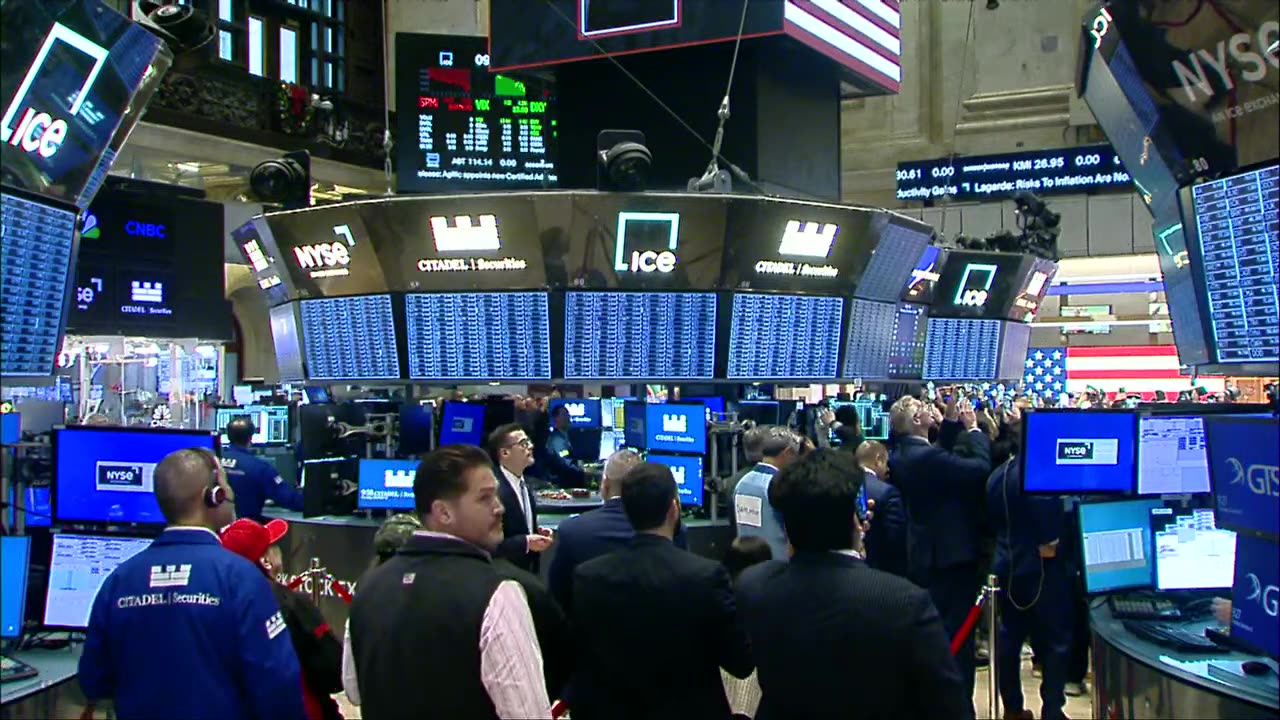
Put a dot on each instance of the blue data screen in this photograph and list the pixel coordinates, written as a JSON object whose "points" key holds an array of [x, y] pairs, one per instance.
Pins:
{"points": [[35, 258], [633, 335], [962, 349], [462, 423], [386, 484], [784, 337], [869, 341], [1079, 452], [350, 338], [478, 336], [688, 474]]}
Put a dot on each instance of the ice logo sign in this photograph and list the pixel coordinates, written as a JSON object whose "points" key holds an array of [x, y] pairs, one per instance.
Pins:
{"points": [[400, 479], [808, 239], [975, 285], [659, 231], [465, 235], [39, 131], [1262, 479], [576, 409], [675, 423]]}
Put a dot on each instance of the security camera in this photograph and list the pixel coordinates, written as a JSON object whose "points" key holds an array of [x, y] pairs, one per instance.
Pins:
{"points": [[183, 29]]}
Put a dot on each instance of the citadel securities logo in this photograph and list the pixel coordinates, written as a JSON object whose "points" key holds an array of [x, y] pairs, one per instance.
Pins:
{"points": [[677, 472], [38, 130], [401, 479], [1262, 479], [803, 239], [675, 423], [170, 575], [467, 235], [576, 409], [329, 259], [650, 260]]}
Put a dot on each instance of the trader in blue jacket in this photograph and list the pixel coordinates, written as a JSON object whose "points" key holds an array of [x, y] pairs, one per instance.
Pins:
{"points": [[561, 467], [752, 510], [186, 628], [254, 480]]}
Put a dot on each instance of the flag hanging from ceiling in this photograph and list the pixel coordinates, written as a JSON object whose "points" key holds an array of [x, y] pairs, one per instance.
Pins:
{"points": [[1137, 369]]}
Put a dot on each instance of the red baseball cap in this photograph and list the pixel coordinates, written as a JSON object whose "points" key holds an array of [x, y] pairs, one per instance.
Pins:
{"points": [[250, 539]]}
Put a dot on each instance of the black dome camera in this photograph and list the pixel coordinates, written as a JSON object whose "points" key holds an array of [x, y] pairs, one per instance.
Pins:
{"points": [[184, 29]]}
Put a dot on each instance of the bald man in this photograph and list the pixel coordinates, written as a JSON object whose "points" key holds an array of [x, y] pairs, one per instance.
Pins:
{"points": [[187, 613], [887, 539]]}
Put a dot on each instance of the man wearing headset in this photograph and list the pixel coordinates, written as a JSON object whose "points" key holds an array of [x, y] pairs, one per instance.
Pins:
{"points": [[1035, 602], [253, 479], [186, 608]]}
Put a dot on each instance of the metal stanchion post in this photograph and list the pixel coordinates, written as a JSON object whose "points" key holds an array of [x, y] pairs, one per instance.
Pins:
{"points": [[993, 632], [314, 573]]}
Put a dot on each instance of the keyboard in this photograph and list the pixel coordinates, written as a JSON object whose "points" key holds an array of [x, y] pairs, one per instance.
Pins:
{"points": [[1125, 607], [1172, 636], [11, 670]]}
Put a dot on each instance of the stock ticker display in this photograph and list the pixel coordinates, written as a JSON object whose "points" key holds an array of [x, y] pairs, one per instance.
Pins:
{"points": [[462, 127], [37, 248], [784, 336], [350, 338], [906, 355], [1239, 233], [638, 335], [962, 349], [1044, 172], [869, 340], [478, 336]]}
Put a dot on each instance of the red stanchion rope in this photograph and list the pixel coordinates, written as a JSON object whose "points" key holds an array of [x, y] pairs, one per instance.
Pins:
{"points": [[321, 575], [969, 622]]}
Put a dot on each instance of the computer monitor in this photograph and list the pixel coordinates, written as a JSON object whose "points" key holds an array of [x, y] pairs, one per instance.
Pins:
{"points": [[1078, 452], [1255, 594], [583, 412], [1171, 455], [105, 474], [761, 412], [1191, 551], [611, 441], [416, 423], [1115, 541], [687, 470], [329, 486], [37, 501], [10, 428], [676, 427], [1243, 462], [462, 423], [270, 423], [15, 557], [77, 568], [386, 484]]}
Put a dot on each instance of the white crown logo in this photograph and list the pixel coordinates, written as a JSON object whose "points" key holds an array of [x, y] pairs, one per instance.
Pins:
{"points": [[678, 473], [675, 423], [401, 479], [576, 409], [464, 235], [808, 239], [170, 575], [147, 292]]}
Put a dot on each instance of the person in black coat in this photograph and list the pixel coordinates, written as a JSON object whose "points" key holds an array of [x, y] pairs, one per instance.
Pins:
{"points": [[522, 544], [834, 638], [887, 539], [654, 624]]}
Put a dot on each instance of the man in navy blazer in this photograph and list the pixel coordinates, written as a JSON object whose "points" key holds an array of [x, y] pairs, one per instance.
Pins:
{"points": [[887, 539], [943, 493]]}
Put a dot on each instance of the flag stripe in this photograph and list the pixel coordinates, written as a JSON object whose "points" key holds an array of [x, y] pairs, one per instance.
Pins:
{"points": [[1123, 350], [1136, 368], [1089, 365], [1123, 374]]}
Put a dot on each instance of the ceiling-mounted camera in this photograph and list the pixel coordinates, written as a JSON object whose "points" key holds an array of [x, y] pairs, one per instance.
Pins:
{"points": [[183, 28]]}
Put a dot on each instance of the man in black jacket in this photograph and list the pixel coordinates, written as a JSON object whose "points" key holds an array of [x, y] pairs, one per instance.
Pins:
{"points": [[654, 624], [887, 538], [833, 637], [512, 453]]}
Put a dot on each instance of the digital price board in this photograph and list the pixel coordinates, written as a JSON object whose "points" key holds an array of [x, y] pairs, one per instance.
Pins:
{"points": [[869, 340], [462, 127], [37, 244], [894, 261], [639, 335], [910, 328], [1043, 172], [478, 336], [350, 338], [1239, 237], [288, 344], [962, 349], [784, 337]]}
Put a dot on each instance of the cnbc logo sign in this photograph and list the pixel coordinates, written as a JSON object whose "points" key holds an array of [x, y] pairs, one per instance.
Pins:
{"points": [[803, 239], [647, 242]]}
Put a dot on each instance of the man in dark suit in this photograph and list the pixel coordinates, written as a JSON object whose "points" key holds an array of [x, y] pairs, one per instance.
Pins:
{"points": [[943, 495], [834, 638], [512, 453], [654, 623], [887, 539]]}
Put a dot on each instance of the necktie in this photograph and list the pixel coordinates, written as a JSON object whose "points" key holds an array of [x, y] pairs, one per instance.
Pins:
{"points": [[524, 506]]}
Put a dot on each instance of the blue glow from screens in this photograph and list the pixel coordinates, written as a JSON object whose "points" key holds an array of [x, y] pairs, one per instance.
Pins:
{"points": [[676, 428], [10, 428], [15, 556], [416, 423], [1115, 542], [688, 473], [106, 475], [1254, 594], [38, 502], [1079, 453], [634, 417], [1171, 456], [1243, 466], [1191, 552], [386, 484], [81, 563], [462, 424], [583, 412]]}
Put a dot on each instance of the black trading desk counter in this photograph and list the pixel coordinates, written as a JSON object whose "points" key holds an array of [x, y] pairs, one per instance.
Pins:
{"points": [[1134, 679], [51, 694]]}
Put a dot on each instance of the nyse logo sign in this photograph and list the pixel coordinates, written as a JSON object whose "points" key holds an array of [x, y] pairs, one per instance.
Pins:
{"points": [[975, 285], [465, 236], [675, 423], [117, 476], [327, 259], [39, 131], [399, 479], [660, 260], [808, 239], [462, 424], [1262, 479], [1095, 451]]}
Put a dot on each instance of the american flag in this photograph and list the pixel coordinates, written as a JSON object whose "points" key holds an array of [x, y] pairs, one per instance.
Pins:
{"points": [[863, 35], [1138, 369]]}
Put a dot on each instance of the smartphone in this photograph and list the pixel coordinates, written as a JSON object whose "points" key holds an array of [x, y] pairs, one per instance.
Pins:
{"points": [[862, 503]]}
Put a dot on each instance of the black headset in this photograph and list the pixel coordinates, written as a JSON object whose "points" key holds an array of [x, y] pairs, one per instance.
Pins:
{"points": [[214, 494]]}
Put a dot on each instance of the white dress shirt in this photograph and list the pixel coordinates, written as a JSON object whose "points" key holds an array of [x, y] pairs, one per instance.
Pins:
{"points": [[522, 494]]}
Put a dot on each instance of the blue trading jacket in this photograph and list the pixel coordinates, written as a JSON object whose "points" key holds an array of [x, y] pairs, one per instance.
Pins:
{"points": [[755, 515], [255, 481], [188, 629]]}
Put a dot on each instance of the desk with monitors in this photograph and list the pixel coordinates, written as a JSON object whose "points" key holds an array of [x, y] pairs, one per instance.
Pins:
{"points": [[77, 570], [869, 340], [784, 337], [910, 330], [962, 349], [1239, 233], [35, 266], [350, 338], [639, 335], [478, 336]]}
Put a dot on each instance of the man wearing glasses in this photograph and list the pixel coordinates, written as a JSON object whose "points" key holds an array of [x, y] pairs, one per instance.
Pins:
{"points": [[512, 451]]}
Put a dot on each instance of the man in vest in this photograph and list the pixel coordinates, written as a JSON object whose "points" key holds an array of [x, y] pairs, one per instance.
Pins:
{"points": [[752, 512]]}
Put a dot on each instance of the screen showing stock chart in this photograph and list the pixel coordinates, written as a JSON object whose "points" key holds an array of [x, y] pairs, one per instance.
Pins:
{"points": [[910, 327], [869, 340], [37, 244], [478, 336], [962, 349], [638, 335], [784, 336], [350, 338]]}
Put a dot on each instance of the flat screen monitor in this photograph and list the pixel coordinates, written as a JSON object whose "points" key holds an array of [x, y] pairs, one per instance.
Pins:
{"points": [[270, 423], [872, 417], [611, 441], [416, 422], [107, 474], [37, 246], [962, 349], [1079, 452], [287, 341], [980, 285], [462, 423], [1171, 455], [635, 420], [894, 260], [611, 410], [38, 502], [869, 339], [478, 336], [639, 335], [688, 474], [77, 569], [1191, 551], [784, 337], [386, 484], [676, 427], [1243, 462], [910, 338], [761, 412], [15, 558], [583, 412], [10, 428], [350, 338], [1115, 541], [1254, 594]]}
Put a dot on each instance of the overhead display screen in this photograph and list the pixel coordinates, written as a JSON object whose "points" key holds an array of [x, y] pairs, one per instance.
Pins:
{"points": [[923, 280], [1035, 286], [462, 127], [1043, 172], [288, 344], [773, 245], [894, 260], [75, 76], [1190, 332], [328, 251], [980, 285], [635, 336], [906, 354], [784, 337], [1238, 226], [478, 336], [962, 349], [258, 248], [350, 338], [37, 244], [869, 340]]}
